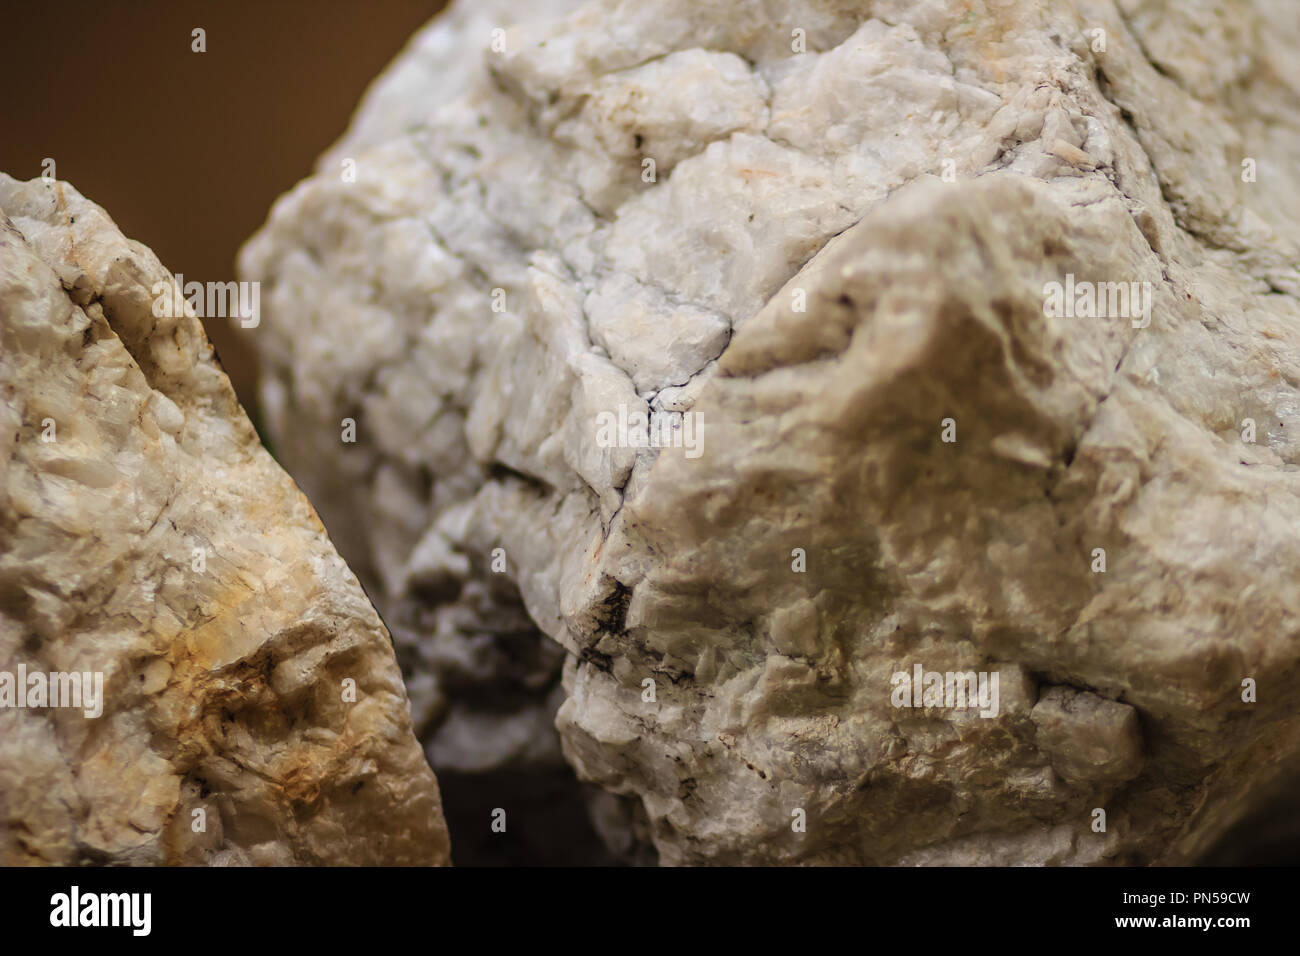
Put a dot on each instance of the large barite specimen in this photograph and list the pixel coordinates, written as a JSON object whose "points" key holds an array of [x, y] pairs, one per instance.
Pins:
{"points": [[978, 327], [191, 674]]}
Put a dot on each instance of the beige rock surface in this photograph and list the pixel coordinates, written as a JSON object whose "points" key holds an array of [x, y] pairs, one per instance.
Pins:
{"points": [[146, 536], [839, 258]]}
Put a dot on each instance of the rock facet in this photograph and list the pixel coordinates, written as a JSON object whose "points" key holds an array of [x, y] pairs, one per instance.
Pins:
{"points": [[842, 237], [250, 710]]}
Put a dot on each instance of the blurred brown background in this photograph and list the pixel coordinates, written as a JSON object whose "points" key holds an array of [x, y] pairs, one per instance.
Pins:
{"points": [[186, 151]]}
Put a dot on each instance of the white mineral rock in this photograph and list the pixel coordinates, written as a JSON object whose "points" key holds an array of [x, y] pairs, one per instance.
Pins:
{"points": [[240, 701], [833, 232]]}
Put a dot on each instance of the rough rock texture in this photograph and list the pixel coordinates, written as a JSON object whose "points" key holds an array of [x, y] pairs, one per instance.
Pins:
{"points": [[795, 269], [146, 535]]}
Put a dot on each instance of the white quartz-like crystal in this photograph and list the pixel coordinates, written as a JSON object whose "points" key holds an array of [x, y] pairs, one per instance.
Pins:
{"points": [[828, 230]]}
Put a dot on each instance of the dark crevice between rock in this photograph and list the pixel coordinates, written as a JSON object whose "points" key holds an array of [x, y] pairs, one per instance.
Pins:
{"points": [[509, 669], [546, 819], [1269, 835]]}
